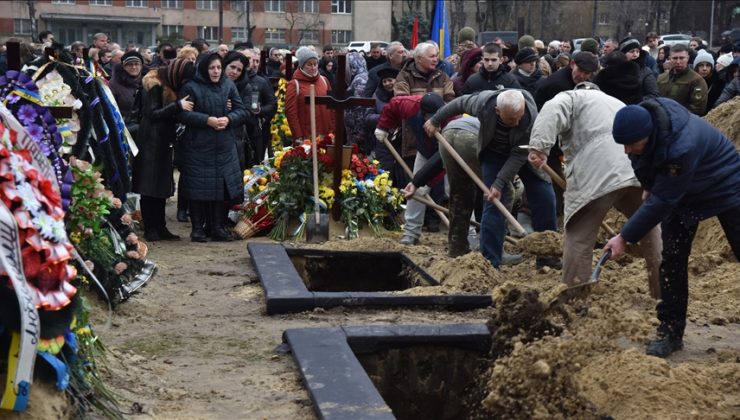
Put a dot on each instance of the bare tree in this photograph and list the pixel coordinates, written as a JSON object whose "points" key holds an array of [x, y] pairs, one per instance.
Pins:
{"points": [[300, 21], [457, 20]]}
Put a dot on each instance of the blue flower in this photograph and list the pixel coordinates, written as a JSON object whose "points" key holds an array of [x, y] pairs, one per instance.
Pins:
{"points": [[35, 131], [13, 98], [27, 114]]}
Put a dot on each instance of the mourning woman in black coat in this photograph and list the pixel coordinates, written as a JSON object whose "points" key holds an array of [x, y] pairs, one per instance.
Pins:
{"points": [[210, 168], [152, 167]]}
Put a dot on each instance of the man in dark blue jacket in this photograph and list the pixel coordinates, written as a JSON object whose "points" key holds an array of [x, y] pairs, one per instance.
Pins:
{"points": [[690, 172]]}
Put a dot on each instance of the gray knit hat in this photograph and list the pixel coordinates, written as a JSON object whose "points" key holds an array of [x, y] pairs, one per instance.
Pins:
{"points": [[304, 54], [703, 57], [526, 41]]}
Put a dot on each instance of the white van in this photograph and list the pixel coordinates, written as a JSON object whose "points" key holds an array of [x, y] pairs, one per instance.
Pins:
{"points": [[364, 45]]}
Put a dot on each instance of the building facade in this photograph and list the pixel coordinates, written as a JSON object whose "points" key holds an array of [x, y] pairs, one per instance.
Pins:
{"points": [[143, 22]]}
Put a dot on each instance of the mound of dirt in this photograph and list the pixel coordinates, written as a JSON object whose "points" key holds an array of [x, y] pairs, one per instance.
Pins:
{"points": [[547, 243], [726, 118]]}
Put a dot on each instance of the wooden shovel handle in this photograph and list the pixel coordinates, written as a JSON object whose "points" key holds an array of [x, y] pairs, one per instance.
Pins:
{"points": [[561, 183], [460, 161], [399, 159]]}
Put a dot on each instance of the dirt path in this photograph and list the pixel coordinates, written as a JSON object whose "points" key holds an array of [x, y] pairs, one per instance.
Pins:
{"points": [[196, 343]]}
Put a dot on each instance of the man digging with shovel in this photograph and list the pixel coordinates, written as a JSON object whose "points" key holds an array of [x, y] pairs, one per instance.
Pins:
{"points": [[506, 117], [691, 172], [598, 176]]}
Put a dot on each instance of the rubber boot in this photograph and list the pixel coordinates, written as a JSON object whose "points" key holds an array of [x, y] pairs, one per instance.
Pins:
{"points": [[219, 233], [197, 217]]}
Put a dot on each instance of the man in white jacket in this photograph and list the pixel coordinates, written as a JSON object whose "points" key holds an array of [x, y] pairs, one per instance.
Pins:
{"points": [[598, 176]]}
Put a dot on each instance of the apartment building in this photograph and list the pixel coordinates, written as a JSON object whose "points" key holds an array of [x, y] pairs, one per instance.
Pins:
{"points": [[273, 22]]}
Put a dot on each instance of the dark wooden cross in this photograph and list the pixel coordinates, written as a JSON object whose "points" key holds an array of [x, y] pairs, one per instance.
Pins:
{"points": [[339, 102], [288, 67]]}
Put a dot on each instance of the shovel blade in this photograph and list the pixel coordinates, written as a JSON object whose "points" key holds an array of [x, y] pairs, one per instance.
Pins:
{"points": [[317, 233]]}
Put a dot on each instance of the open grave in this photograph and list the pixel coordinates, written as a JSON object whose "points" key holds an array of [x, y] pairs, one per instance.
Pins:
{"points": [[392, 371], [299, 279]]}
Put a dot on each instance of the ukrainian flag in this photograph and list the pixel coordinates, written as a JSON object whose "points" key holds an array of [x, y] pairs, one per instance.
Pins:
{"points": [[440, 31]]}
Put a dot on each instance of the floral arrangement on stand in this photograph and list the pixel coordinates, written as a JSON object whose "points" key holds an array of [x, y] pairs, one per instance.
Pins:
{"points": [[280, 130], [281, 191], [66, 342], [115, 262]]}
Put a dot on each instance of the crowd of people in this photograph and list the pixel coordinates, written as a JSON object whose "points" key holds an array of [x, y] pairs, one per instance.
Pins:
{"points": [[621, 115]]}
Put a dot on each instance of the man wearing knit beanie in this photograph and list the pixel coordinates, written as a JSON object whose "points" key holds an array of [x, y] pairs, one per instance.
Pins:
{"points": [[690, 172]]}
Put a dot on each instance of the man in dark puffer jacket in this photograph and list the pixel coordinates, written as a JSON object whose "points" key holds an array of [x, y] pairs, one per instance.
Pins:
{"points": [[690, 172]]}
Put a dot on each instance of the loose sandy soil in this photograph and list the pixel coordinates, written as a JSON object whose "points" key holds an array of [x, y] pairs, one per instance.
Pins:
{"points": [[196, 343]]}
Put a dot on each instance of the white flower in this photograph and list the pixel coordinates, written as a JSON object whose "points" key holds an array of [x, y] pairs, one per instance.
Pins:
{"points": [[58, 230], [18, 166], [369, 183], [26, 192], [44, 225]]}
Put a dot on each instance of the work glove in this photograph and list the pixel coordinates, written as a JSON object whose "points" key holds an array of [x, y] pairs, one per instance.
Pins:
{"points": [[381, 135]]}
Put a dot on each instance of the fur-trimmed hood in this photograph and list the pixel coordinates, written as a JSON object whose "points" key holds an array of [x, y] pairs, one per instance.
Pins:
{"points": [[151, 79]]}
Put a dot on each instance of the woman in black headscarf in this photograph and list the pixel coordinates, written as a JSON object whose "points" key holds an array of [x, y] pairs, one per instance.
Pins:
{"points": [[152, 167], [211, 175]]}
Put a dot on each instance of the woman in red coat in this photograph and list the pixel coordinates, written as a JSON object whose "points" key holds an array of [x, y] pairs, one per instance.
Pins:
{"points": [[296, 108]]}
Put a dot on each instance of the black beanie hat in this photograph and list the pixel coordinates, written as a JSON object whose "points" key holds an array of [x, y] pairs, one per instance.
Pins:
{"points": [[431, 102], [525, 55], [628, 44]]}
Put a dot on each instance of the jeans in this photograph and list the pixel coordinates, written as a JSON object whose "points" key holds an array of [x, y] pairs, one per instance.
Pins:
{"points": [[540, 196], [415, 209]]}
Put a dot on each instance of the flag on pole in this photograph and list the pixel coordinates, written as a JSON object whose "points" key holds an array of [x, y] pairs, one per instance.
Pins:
{"points": [[440, 31], [415, 33]]}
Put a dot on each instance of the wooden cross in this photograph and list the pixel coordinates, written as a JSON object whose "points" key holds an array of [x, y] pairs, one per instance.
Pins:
{"points": [[339, 102], [288, 67]]}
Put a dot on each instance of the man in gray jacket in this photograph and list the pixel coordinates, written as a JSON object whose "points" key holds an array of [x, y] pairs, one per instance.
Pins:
{"points": [[506, 117], [598, 176]]}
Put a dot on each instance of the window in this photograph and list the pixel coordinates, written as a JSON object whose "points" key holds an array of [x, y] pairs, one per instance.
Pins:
{"points": [[274, 6], [206, 4], [62, 1], [309, 37], [274, 36], [208, 32], [341, 6], [238, 5], [341, 37], [169, 30], [603, 19], [22, 26], [238, 34], [136, 3], [171, 4], [308, 6], [101, 2]]}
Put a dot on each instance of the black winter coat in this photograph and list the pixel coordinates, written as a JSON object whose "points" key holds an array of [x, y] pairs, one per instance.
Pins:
{"points": [[124, 89], [648, 81], [527, 82], [152, 168], [210, 167], [546, 88], [484, 80], [621, 81]]}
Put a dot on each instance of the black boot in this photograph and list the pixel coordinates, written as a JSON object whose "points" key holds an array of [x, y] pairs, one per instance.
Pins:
{"points": [[197, 218], [664, 345], [219, 233]]}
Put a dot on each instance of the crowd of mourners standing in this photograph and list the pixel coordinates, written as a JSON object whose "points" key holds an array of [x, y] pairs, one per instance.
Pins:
{"points": [[622, 115]]}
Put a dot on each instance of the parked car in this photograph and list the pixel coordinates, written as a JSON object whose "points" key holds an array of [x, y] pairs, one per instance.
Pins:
{"points": [[364, 45], [672, 39]]}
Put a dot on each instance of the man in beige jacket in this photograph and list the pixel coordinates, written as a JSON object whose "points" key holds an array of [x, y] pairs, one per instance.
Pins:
{"points": [[598, 176]]}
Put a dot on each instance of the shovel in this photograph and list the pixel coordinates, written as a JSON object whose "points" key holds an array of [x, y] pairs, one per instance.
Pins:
{"points": [[317, 225], [561, 183], [460, 161], [568, 293]]}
